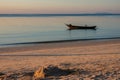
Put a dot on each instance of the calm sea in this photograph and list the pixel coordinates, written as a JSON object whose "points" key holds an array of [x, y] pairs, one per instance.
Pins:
{"points": [[33, 29]]}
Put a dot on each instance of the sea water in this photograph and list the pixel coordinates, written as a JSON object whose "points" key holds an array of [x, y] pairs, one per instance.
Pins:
{"points": [[32, 29]]}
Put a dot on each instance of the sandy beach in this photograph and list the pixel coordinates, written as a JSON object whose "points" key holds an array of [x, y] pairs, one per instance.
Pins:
{"points": [[75, 60]]}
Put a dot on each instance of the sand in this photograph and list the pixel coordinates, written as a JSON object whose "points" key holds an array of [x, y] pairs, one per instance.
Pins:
{"points": [[77, 60]]}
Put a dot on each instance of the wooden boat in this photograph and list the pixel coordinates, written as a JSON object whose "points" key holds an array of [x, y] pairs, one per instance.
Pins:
{"points": [[80, 27]]}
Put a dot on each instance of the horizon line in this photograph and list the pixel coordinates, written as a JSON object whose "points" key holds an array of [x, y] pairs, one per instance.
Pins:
{"points": [[64, 13], [80, 14]]}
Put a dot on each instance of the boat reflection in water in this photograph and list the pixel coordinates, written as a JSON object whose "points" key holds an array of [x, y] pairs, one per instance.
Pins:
{"points": [[71, 27]]}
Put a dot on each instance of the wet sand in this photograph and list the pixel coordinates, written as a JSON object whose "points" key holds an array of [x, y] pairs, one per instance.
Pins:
{"points": [[82, 59]]}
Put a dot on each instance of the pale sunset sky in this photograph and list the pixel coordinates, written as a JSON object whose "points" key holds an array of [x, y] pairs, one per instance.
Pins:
{"points": [[58, 6]]}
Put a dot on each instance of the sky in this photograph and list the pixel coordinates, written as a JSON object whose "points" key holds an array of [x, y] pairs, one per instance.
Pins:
{"points": [[58, 6]]}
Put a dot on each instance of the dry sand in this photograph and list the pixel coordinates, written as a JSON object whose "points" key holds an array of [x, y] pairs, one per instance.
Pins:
{"points": [[79, 60]]}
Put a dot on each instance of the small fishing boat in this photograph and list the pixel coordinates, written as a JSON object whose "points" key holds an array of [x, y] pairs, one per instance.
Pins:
{"points": [[79, 27]]}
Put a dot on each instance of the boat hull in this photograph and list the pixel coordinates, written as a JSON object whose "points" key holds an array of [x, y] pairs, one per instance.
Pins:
{"points": [[80, 27]]}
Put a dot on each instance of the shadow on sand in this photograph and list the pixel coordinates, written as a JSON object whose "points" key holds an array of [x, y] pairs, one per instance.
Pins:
{"points": [[51, 72]]}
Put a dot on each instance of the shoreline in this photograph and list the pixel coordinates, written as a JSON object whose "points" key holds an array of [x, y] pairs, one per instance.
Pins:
{"points": [[56, 44], [57, 41]]}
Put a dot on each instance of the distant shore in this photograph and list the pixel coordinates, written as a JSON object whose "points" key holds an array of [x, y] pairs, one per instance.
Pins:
{"points": [[93, 59], [81, 14]]}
